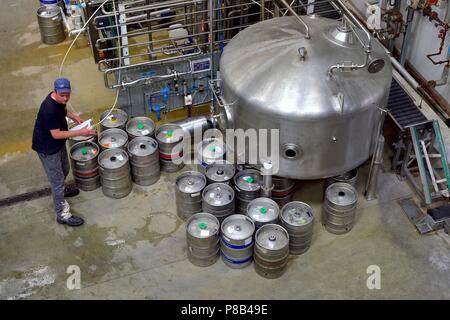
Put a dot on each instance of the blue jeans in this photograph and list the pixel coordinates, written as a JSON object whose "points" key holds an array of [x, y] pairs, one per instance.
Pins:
{"points": [[57, 168]]}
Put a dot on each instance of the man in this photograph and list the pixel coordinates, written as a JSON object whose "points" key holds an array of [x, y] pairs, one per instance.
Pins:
{"points": [[49, 138]]}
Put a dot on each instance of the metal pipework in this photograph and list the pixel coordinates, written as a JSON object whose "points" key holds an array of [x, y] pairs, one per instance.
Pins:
{"points": [[190, 124], [287, 6], [347, 67], [372, 180], [267, 187], [357, 22]]}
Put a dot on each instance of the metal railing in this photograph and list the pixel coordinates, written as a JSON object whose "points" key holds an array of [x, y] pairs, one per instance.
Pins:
{"points": [[149, 33]]}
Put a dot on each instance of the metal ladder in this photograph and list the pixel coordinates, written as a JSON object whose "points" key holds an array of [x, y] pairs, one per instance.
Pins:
{"points": [[427, 143]]}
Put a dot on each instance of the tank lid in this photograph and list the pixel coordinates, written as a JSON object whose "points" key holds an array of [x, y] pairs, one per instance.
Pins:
{"points": [[142, 146], [113, 158], [248, 180], [113, 138], [342, 194], [297, 213], [169, 133], [84, 151], [202, 225], [341, 34], [272, 237], [263, 210], [218, 194], [141, 126], [220, 172], [191, 182], [117, 118], [238, 227]]}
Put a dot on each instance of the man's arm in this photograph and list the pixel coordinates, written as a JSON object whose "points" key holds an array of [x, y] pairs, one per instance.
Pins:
{"points": [[58, 134]]}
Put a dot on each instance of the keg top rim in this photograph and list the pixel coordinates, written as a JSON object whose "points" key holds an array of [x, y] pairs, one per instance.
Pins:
{"points": [[341, 193], [238, 227], [84, 151], [113, 158], [117, 118], [248, 180], [227, 168], [169, 133], [272, 237], [108, 136], [202, 225], [263, 210], [47, 11], [191, 182], [218, 194], [140, 126], [142, 146], [297, 213], [212, 148]]}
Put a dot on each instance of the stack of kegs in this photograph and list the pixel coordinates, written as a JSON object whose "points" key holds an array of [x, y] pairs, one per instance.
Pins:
{"points": [[202, 234], [170, 139], [188, 193], [83, 156]]}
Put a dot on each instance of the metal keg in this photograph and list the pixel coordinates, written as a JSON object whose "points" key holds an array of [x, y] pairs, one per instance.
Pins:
{"points": [[83, 158], [339, 208], [247, 184], [236, 241], [113, 138], [202, 234], [115, 173], [116, 119], [271, 251], [144, 160], [297, 218], [220, 172], [209, 151], [170, 138], [140, 127], [263, 211], [349, 177], [188, 193], [283, 190], [51, 26], [218, 199]]}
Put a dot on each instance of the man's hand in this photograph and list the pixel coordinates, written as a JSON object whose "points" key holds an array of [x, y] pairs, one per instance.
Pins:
{"points": [[86, 132], [77, 119]]}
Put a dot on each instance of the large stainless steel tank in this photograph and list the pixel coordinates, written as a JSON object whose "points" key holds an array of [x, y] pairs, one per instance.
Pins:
{"points": [[275, 78]]}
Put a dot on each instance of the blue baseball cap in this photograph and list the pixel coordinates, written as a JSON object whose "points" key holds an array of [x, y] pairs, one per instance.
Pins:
{"points": [[62, 85]]}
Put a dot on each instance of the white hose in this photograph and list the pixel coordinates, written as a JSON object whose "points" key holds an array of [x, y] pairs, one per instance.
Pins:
{"points": [[71, 46]]}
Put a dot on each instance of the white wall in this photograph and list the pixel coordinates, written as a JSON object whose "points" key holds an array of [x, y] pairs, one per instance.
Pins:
{"points": [[424, 40]]}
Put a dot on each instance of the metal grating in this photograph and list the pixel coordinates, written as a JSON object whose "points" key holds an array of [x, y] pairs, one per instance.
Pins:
{"points": [[402, 108]]}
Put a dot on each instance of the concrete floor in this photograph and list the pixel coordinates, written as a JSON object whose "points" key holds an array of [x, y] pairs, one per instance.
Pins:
{"points": [[136, 248]]}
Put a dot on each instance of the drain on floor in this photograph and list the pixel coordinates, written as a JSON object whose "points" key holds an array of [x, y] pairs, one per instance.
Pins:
{"points": [[28, 196]]}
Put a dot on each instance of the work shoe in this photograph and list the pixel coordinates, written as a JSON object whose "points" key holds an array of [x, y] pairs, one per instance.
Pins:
{"points": [[71, 192], [69, 219]]}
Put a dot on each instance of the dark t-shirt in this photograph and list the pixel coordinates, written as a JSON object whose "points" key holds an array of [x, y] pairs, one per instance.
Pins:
{"points": [[51, 115]]}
